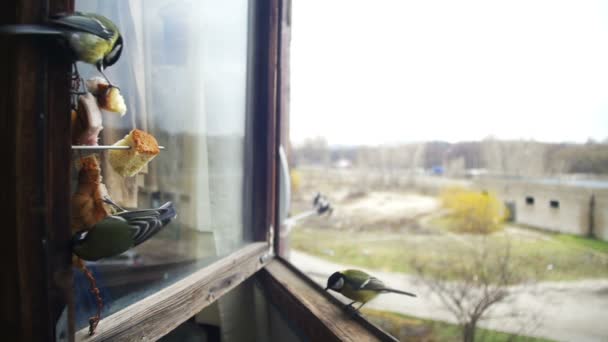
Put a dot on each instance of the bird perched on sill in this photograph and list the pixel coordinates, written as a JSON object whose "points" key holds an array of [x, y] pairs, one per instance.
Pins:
{"points": [[359, 286], [89, 38]]}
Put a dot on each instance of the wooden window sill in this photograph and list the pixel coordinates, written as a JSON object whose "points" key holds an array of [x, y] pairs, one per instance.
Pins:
{"points": [[318, 314], [158, 314]]}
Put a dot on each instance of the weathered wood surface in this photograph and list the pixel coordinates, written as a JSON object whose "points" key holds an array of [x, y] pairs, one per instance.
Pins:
{"points": [[262, 121], [34, 133], [283, 99], [158, 314], [315, 312]]}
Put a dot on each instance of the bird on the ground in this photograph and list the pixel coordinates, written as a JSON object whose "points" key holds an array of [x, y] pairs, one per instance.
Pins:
{"points": [[359, 286], [120, 232], [89, 38]]}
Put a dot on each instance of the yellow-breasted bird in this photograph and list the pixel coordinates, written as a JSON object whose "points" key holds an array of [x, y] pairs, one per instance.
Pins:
{"points": [[89, 37], [114, 235], [359, 286], [120, 232]]}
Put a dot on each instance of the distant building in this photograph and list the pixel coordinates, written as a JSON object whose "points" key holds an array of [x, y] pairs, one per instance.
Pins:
{"points": [[577, 207], [343, 163]]}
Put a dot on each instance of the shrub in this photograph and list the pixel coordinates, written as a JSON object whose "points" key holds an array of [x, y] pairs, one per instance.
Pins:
{"points": [[473, 212]]}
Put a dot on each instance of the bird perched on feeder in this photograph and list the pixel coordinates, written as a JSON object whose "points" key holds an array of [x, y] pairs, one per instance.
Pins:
{"points": [[113, 235], [359, 286], [117, 233], [90, 38], [103, 229]]}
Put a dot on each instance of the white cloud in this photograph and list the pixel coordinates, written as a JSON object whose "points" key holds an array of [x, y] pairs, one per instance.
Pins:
{"points": [[388, 71]]}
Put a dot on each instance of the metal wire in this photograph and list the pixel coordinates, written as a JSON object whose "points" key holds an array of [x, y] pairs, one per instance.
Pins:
{"points": [[103, 147]]}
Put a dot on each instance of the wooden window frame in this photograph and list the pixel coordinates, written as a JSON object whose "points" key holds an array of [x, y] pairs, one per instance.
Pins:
{"points": [[34, 101], [158, 314], [36, 258]]}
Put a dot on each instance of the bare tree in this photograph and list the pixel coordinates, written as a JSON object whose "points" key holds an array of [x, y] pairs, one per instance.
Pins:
{"points": [[470, 284]]}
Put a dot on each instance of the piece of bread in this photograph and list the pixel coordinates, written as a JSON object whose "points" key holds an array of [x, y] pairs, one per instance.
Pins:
{"points": [[88, 206], [86, 122], [108, 98], [128, 163]]}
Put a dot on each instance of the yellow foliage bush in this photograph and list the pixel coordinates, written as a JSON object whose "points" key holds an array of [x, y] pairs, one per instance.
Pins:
{"points": [[473, 212]]}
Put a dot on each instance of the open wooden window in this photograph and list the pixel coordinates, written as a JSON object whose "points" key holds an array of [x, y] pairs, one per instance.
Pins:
{"points": [[207, 80]]}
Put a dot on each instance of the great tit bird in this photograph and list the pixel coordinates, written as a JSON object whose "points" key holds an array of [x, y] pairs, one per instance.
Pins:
{"points": [[322, 205], [120, 232], [359, 286], [90, 38]]}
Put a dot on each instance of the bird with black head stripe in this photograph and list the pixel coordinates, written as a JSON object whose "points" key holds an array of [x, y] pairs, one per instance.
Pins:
{"points": [[90, 38], [359, 286]]}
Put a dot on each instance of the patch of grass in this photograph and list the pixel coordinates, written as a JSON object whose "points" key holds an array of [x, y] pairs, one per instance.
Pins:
{"points": [[408, 328], [561, 257], [535, 256], [383, 251], [583, 242]]}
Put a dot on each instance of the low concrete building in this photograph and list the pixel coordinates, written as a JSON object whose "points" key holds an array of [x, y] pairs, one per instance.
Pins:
{"points": [[575, 207]]}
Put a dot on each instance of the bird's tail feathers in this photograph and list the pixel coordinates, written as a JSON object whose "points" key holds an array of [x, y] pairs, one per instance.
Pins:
{"points": [[387, 289], [167, 213], [33, 30], [149, 221]]}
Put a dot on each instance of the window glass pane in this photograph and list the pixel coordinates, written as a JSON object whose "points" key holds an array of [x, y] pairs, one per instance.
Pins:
{"points": [[463, 147], [183, 73]]}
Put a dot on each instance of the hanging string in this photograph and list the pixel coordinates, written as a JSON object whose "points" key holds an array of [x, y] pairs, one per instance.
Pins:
{"points": [[94, 320]]}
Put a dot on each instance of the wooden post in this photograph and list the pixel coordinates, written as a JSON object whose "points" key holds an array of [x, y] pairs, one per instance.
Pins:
{"points": [[283, 77], [35, 138], [264, 119]]}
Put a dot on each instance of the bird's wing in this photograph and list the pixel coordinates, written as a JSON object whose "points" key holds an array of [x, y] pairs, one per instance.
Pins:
{"points": [[375, 284], [357, 279], [111, 236], [80, 22], [372, 283], [146, 223]]}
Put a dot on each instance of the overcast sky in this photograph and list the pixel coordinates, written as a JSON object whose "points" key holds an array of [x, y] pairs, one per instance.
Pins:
{"points": [[388, 71]]}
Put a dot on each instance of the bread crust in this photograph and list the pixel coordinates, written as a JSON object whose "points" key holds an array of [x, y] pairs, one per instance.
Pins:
{"points": [[144, 142], [88, 206], [144, 148]]}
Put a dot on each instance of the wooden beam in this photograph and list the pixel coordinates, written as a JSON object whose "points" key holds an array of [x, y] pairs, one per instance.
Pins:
{"points": [[158, 314], [283, 100], [264, 118], [34, 133], [314, 311], [57, 194]]}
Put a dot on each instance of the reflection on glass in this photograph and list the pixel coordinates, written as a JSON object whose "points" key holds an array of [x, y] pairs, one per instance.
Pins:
{"points": [[183, 74]]}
